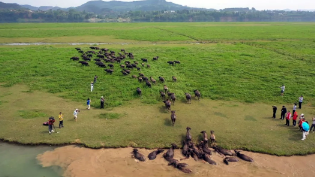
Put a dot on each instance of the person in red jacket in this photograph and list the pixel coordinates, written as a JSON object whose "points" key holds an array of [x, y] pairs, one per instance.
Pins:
{"points": [[288, 118], [51, 122], [295, 115]]}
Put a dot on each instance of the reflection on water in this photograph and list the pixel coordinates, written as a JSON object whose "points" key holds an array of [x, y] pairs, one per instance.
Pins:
{"points": [[20, 161]]}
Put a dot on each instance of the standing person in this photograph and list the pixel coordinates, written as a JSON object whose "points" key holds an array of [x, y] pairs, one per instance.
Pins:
{"points": [[88, 102], [295, 115], [313, 125], [283, 112], [51, 122], [102, 102], [294, 108], [300, 101], [282, 89], [92, 85], [75, 114], [288, 118], [60, 120], [95, 78], [302, 119], [305, 128], [274, 108]]}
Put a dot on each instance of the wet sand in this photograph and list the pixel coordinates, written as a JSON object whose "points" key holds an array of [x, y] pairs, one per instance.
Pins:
{"points": [[84, 162]]}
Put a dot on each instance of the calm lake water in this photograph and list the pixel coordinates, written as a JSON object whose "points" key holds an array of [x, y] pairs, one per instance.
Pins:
{"points": [[20, 161]]}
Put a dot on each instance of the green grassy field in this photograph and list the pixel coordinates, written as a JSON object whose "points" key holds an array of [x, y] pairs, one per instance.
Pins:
{"points": [[238, 73]]}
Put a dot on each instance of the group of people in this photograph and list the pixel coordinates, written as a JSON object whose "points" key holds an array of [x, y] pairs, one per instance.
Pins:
{"points": [[51, 122], [286, 114]]}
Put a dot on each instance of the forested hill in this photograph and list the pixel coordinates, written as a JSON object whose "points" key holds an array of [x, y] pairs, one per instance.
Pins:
{"points": [[146, 5], [9, 6]]}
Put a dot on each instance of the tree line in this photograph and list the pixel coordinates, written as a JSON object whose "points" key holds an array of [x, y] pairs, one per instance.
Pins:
{"points": [[23, 15]]}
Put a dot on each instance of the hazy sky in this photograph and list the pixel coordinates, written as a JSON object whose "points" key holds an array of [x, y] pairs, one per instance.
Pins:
{"points": [[216, 4]]}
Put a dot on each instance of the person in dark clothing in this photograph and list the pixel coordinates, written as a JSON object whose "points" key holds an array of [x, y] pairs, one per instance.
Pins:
{"points": [[102, 102], [274, 108], [313, 125], [95, 78], [283, 112]]}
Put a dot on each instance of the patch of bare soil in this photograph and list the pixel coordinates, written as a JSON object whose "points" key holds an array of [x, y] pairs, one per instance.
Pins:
{"points": [[84, 162]]}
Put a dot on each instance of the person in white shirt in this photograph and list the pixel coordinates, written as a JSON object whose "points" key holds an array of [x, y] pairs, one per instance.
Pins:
{"points": [[75, 114], [300, 101], [294, 108], [92, 85], [282, 90]]}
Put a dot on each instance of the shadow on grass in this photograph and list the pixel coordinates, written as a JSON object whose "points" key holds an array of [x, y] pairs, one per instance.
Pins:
{"points": [[168, 122], [220, 114], [162, 109]]}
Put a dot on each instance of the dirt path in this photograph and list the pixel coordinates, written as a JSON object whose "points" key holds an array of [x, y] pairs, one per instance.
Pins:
{"points": [[82, 162]]}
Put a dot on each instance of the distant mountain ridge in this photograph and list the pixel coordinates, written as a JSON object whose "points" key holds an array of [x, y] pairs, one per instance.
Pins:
{"points": [[99, 7], [120, 6], [43, 8]]}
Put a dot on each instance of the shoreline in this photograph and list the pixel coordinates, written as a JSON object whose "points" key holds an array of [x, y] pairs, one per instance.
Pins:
{"points": [[83, 145]]}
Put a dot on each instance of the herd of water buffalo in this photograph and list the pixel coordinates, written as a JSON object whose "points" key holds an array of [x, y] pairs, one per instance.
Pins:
{"points": [[189, 149], [109, 57], [196, 151]]}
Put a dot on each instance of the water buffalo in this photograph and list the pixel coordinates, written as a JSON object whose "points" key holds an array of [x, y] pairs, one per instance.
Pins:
{"points": [[161, 79], [167, 104], [174, 78], [188, 97], [134, 76], [173, 117], [110, 71], [177, 62], [165, 88], [162, 94], [140, 79], [138, 155], [226, 160], [172, 97], [170, 153], [204, 136], [84, 63], [156, 58], [144, 59], [153, 154], [207, 159], [223, 151], [188, 135], [78, 48], [152, 80], [140, 74], [74, 58], [100, 64], [197, 94], [148, 83], [171, 63], [180, 166], [148, 66], [110, 65], [139, 91], [243, 156]]}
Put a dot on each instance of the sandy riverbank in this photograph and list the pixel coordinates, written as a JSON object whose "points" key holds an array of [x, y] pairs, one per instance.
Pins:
{"points": [[83, 162]]}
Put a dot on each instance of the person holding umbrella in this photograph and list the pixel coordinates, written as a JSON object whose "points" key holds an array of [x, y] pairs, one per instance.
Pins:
{"points": [[306, 129]]}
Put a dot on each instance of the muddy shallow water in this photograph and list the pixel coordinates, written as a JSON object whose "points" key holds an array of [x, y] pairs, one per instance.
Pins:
{"points": [[82, 162], [20, 161]]}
